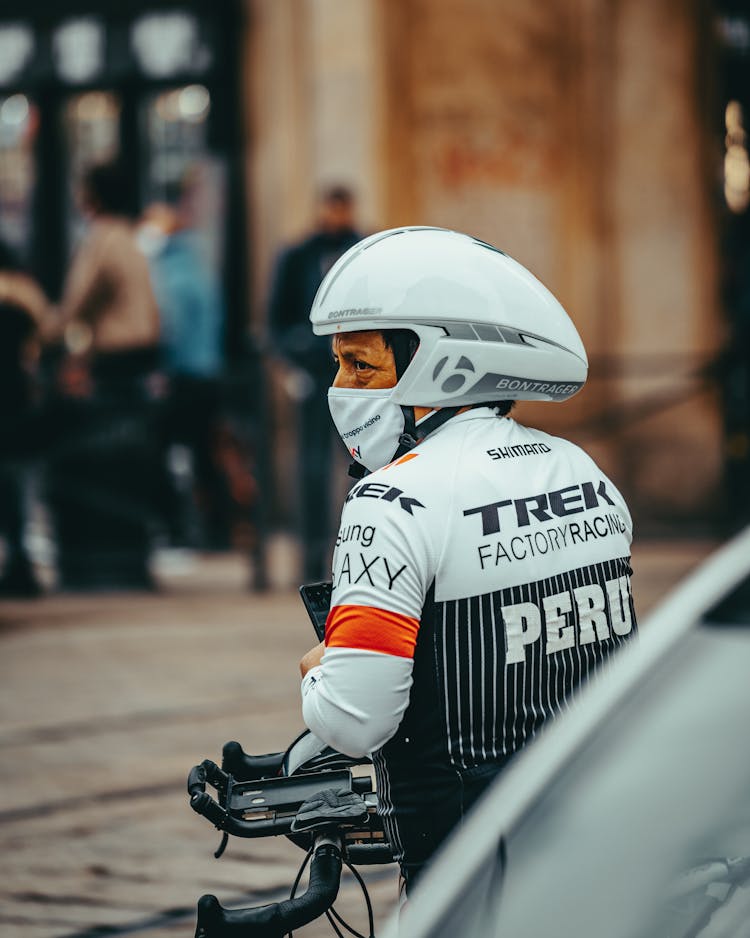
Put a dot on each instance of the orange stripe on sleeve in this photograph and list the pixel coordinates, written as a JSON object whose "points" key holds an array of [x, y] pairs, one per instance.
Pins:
{"points": [[371, 629]]}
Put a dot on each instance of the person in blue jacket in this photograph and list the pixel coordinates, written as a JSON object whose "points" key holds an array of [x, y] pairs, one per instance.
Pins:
{"points": [[300, 269], [191, 307]]}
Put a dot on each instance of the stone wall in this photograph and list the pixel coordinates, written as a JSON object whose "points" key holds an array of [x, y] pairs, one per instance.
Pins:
{"points": [[569, 133]]}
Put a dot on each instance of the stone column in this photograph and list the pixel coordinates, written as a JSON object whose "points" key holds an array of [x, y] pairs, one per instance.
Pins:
{"points": [[666, 247], [314, 118]]}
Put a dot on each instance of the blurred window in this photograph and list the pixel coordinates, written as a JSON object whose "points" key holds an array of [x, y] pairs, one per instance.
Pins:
{"points": [[78, 49], [18, 128], [92, 134], [16, 50], [178, 158], [176, 132], [85, 83], [169, 44]]}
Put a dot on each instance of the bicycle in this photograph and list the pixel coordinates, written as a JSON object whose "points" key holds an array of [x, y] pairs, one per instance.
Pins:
{"points": [[307, 793]]}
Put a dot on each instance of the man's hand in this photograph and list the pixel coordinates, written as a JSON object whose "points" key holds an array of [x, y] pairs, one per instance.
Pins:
{"points": [[312, 658]]}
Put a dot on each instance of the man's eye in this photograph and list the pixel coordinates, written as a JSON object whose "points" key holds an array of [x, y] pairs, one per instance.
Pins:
{"points": [[361, 366]]}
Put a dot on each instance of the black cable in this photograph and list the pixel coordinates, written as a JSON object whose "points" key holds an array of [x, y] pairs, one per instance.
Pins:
{"points": [[331, 914], [345, 924], [331, 922], [366, 894], [300, 871]]}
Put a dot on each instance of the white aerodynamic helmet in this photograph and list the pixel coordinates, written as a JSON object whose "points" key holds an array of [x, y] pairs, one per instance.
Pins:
{"points": [[488, 329]]}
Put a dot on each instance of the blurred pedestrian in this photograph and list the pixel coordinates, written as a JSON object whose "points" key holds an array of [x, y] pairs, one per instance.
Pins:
{"points": [[22, 308], [299, 271], [108, 314], [191, 308], [105, 467]]}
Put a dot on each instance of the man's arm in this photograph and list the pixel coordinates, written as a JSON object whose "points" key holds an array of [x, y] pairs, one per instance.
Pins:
{"points": [[312, 658], [354, 699], [86, 285], [356, 688]]}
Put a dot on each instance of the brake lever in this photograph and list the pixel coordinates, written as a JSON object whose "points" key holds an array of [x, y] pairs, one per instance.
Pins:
{"points": [[200, 801]]}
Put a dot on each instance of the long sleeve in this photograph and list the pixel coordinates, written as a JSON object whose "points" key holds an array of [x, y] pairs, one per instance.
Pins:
{"points": [[382, 569], [356, 699]]}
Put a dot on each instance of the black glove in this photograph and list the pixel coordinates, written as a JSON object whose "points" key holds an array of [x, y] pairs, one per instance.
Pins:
{"points": [[330, 807]]}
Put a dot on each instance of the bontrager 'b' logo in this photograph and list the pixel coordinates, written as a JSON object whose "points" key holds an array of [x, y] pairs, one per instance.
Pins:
{"points": [[453, 377]]}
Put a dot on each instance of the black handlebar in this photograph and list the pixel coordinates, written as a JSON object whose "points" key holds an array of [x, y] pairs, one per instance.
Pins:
{"points": [[197, 780], [273, 816], [244, 767], [279, 918], [323, 805], [202, 803]]}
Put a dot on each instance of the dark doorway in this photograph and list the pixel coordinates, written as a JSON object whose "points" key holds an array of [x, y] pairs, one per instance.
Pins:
{"points": [[732, 126], [156, 85]]}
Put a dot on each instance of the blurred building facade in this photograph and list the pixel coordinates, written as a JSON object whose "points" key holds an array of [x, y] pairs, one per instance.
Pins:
{"points": [[584, 137], [587, 138]]}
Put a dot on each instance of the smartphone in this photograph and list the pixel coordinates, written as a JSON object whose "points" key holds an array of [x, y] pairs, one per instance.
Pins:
{"points": [[317, 600]]}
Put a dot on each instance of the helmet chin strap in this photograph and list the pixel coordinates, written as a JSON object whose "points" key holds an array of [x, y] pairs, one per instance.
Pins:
{"points": [[408, 439], [411, 435], [414, 434]]}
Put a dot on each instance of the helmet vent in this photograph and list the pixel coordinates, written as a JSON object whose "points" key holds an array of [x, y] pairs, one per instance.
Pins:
{"points": [[460, 330], [488, 333], [485, 332]]}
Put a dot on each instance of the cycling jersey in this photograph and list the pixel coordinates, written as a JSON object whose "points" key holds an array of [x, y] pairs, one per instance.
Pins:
{"points": [[476, 581]]}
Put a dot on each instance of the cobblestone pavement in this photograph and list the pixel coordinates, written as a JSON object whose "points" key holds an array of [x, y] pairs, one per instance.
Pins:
{"points": [[108, 700]]}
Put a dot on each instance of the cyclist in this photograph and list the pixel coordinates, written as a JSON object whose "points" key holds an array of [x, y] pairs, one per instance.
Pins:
{"points": [[481, 569]]}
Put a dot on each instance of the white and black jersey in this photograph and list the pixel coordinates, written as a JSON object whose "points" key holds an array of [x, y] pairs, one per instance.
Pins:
{"points": [[476, 582]]}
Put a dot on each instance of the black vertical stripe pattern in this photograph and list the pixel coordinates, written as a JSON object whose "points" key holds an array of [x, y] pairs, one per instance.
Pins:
{"points": [[493, 707]]}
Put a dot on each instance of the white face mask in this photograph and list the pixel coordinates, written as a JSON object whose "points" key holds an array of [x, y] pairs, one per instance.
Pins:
{"points": [[369, 424]]}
